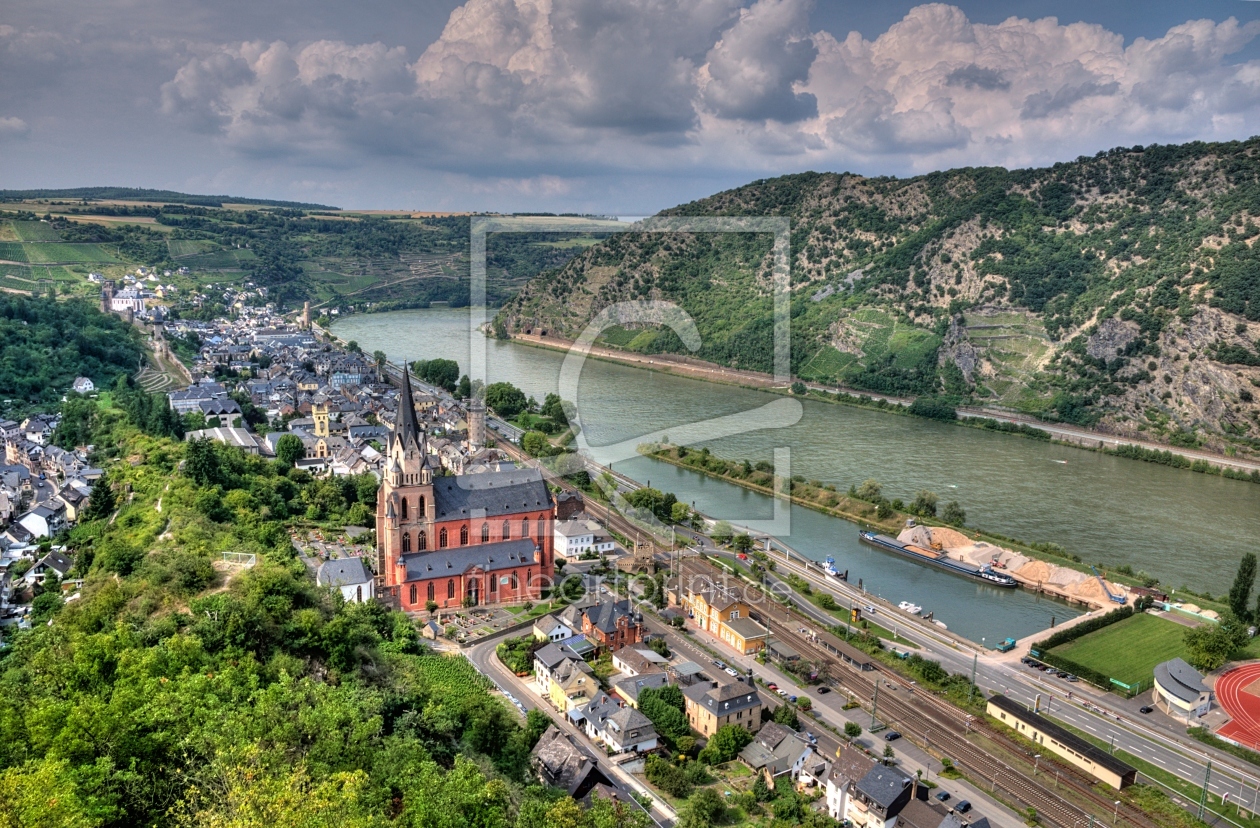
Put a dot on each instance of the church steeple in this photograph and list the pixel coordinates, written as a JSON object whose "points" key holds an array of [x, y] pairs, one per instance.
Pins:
{"points": [[407, 428]]}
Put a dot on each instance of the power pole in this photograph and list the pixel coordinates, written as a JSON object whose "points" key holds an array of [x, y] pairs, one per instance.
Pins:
{"points": [[875, 702]]}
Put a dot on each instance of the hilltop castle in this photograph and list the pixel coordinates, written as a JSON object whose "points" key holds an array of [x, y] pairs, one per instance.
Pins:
{"points": [[457, 541]]}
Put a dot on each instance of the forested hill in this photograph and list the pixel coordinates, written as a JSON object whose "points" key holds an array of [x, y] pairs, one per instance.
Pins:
{"points": [[1120, 291], [161, 196]]}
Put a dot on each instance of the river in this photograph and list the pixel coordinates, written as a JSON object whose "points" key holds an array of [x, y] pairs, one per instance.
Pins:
{"points": [[1184, 528]]}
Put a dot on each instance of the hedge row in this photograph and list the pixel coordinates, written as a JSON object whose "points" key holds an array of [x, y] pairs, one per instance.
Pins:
{"points": [[1079, 670], [1079, 630]]}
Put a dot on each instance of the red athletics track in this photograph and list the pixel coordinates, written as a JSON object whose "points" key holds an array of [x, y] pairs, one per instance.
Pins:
{"points": [[1236, 694]]}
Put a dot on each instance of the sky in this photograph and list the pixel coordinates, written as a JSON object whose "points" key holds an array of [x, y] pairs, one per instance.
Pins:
{"points": [[619, 108]]}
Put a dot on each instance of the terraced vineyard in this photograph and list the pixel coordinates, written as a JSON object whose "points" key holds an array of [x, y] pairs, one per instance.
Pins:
{"points": [[55, 252]]}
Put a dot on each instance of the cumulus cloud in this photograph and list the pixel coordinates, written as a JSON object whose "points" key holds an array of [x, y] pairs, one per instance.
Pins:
{"points": [[560, 84], [13, 128], [753, 71]]}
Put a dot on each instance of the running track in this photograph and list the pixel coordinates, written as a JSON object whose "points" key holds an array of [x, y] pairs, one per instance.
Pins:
{"points": [[1243, 707]]}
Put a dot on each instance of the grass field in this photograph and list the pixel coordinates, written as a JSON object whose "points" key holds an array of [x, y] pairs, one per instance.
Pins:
{"points": [[218, 259], [7, 232], [1128, 650], [12, 252], [827, 364], [92, 253], [35, 231], [188, 247]]}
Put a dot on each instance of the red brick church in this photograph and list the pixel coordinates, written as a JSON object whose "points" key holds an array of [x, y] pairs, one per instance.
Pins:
{"points": [[467, 540]]}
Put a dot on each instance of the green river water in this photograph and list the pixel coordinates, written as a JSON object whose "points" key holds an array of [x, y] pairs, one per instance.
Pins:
{"points": [[1184, 528]]}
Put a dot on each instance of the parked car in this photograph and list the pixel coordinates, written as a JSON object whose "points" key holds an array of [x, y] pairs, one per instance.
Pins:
{"points": [[792, 699], [772, 686], [813, 740], [892, 736], [1072, 677], [822, 690], [963, 806], [1146, 708], [721, 665], [732, 672], [943, 796], [782, 692]]}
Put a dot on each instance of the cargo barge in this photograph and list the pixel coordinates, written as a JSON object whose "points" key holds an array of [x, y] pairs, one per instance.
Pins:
{"points": [[984, 573]]}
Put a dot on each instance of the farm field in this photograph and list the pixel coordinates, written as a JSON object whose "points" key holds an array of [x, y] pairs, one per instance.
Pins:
{"points": [[35, 231], [1128, 650], [218, 259], [40, 253], [188, 247], [12, 252]]}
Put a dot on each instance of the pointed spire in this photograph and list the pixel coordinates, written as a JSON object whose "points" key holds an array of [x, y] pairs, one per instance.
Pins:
{"points": [[406, 426]]}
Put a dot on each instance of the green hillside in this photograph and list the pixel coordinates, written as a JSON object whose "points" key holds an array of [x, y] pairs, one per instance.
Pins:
{"points": [[1120, 291]]}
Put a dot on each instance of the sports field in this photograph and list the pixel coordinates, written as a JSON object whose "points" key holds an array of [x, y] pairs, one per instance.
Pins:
{"points": [[1128, 650]]}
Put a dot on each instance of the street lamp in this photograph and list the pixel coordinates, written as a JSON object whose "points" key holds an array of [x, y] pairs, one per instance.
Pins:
{"points": [[1036, 763], [1116, 815]]}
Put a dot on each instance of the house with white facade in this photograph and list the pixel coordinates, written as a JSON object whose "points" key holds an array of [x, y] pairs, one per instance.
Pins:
{"points": [[350, 576], [580, 535], [622, 728]]}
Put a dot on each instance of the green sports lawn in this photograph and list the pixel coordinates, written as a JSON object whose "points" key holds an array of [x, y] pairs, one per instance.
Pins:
{"points": [[1128, 650]]}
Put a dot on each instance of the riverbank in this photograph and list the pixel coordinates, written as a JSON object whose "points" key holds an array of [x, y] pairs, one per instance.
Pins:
{"points": [[891, 520], [1203, 462]]}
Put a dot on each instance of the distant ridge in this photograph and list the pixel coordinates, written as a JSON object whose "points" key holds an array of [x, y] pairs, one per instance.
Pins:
{"points": [[138, 194]]}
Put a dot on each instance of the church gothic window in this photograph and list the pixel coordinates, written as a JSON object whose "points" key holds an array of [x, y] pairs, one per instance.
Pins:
{"points": [[413, 593], [507, 530], [406, 540], [402, 511], [423, 543], [463, 535], [442, 539], [485, 533], [430, 590], [450, 586]]}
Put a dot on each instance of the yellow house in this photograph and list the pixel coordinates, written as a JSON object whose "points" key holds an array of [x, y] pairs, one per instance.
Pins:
{"points": [[709, 706], [723, 614], [573, 685]]}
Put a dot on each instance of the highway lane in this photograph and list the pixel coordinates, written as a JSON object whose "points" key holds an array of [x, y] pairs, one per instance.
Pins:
{"points": [[1107, 722], [1177, 755]]}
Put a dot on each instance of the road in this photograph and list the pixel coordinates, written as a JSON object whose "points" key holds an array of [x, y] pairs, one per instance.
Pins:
{"points": [[1111, 719], [483, 657], [1102, 715]]}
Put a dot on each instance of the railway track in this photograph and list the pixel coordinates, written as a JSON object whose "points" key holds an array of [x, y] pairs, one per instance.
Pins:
{"points": [[936, 724]]}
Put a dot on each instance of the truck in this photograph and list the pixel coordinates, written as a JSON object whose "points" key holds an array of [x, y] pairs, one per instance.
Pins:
{"points": [[1006, 646]]}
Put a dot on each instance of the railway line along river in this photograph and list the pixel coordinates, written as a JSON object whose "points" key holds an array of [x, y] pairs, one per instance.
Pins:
{"points": [[1184, 528]]}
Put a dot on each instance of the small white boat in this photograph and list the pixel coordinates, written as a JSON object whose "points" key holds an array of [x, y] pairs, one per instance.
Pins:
{"points": [[940, 624], [829, 566], [913, 609]]}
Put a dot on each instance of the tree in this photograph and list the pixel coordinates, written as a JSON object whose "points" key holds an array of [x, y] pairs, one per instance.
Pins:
{"points": [[870, 490], [1240, 592], [444, 373], [464, 390], [798, 388], [536, 444], [704, 808], [289, 450], [664, 707], [743, 542], [852, 730], [722, 532], [505, 398], [553, 407], [762, 792], [102, 502], [954, 514], [1210, 645], [680, 513], [888, 754], [726, 743], [785, 715], [924, 504]]}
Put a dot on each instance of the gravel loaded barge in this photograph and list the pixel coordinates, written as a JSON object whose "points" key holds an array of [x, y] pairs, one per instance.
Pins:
{"points": [[939, 559]]}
